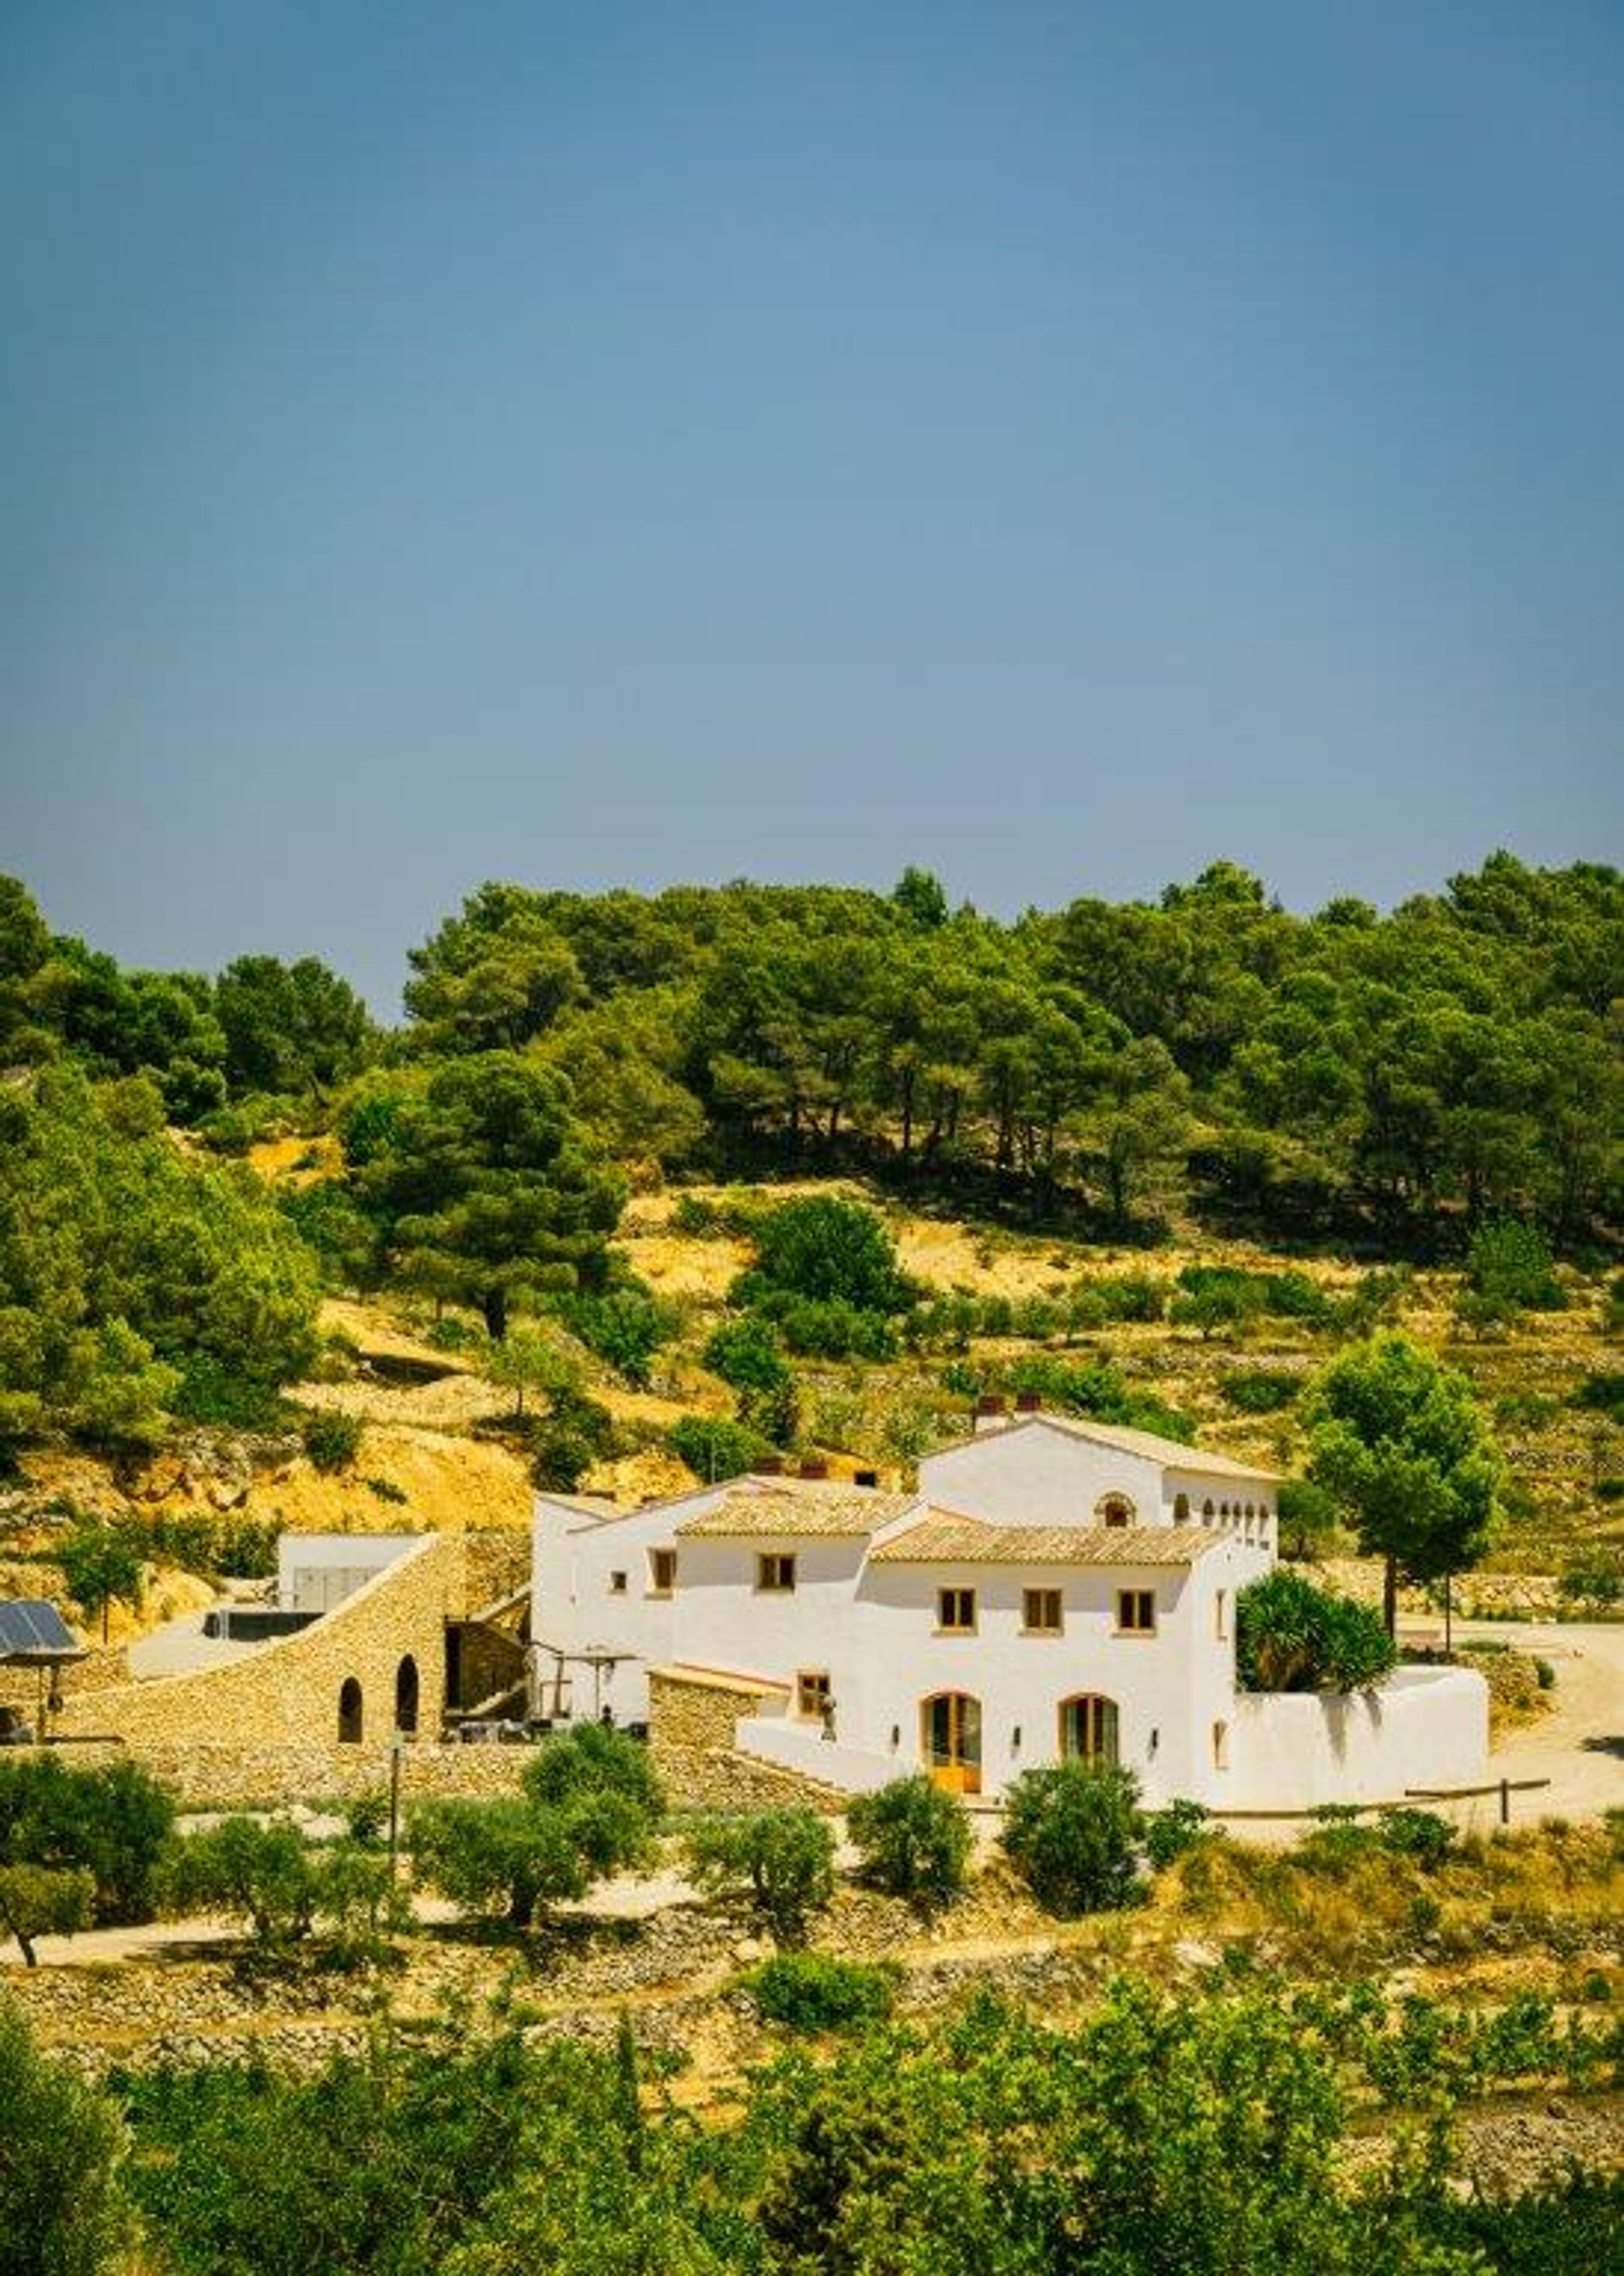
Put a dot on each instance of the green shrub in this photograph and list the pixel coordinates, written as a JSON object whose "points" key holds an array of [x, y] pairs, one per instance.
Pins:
{"points": [[830, 1328], [1419, 1834], [1127, 1296], [62, 2211], [1595, 1579], [1072, 1834], [914, 1840], [1170, 1833], [713, 1448], [814, 1991], [1260, 1389], [829, 1251], [781, 1861], [1510, 1269], [113, 1822], [1293, 1636], [1098, 1389], [625, 1329], [565, 1443], [332, 1438], [1603, 1392], [1308, 1516], [745, 1354]]}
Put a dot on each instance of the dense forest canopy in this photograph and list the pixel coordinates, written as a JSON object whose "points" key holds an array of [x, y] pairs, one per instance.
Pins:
{"points": [[1393, 1080]]}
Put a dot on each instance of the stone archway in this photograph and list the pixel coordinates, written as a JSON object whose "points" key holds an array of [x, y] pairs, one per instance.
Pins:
{"points": [[408, 1690], [351, 1712]]}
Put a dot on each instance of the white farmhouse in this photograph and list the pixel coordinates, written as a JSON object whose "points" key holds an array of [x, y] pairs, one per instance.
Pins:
{"points": [[1053, 1588]]}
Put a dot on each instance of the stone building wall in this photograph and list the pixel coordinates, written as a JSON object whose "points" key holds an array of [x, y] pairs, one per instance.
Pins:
{"points": [[103, 1668], [206, 1775], [692, 1717], [287, 1695]]}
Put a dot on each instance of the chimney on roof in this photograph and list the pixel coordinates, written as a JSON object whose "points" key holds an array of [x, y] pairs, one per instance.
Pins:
{"points": [[865, 1477], [988, 1413], [814, 1466], [1030, 1402], [771, 1465]]}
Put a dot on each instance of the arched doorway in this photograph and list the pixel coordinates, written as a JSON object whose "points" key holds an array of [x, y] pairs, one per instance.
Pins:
{"points": [[405, 1696], [349, 1713], [1088, 1728], [949, 1724], [1114, 1509], [1181, 1509]]}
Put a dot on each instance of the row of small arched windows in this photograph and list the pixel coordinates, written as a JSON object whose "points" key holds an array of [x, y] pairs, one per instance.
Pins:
{"points": [[352, 1709], [1244, 1513]]}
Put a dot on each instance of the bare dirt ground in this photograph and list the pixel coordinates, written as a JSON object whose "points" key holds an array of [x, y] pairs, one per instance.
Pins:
{"points": [[1578, 1746]]}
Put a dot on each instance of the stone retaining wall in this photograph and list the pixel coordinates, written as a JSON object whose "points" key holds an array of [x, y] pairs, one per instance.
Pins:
{"points": [[287, 1694], [691, 1725], [210, 1776]]}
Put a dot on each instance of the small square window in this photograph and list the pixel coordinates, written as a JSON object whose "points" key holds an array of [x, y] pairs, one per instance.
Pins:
{"points": [[1135, 1612], [616, 1584], [955, 1611], [812, 1693], [1042, 1611], [775, 1571], [662, 1572]]}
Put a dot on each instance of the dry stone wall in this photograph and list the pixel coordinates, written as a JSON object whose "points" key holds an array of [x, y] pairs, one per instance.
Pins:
{"points": [[691, 1724], [288, 1694]]}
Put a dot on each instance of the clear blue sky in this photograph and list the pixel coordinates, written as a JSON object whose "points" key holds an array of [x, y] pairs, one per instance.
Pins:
{"points": [[602, 443]]}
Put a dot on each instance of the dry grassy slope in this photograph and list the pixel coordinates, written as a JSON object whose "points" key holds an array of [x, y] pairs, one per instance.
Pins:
{"points": [[1525, 1378], [419, 1440]]}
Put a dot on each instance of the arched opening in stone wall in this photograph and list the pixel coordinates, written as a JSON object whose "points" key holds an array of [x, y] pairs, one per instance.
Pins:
{"points": [[349, 1713], [405, 1696]]}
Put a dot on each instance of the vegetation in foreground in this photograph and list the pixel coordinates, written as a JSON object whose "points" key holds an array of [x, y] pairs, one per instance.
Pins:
{"points": [[1228, 2133]]}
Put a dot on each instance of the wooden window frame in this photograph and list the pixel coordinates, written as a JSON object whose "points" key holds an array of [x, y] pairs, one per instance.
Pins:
{"points": [[1043, 1628], [944, 1627], [775, 1572], [1135, 1600]]}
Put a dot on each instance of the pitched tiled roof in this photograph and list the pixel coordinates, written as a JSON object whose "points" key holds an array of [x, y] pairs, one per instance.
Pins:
{"points": [[941, 1538], [765, 1509], [1168, 1452]]}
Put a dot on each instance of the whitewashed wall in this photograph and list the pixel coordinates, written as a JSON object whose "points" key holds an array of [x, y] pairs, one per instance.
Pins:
{"points": [[575, 1606], [1030, 1473], [1424, 1726]]}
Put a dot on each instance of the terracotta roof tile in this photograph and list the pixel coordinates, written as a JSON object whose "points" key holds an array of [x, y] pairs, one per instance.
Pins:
{"points": [[766, 1509], [942, 1538]]}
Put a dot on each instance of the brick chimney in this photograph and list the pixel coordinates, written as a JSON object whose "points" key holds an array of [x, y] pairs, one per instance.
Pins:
{"points": [[771, 1465], [989, 1413], [1030, 1402], [814, 1466]]}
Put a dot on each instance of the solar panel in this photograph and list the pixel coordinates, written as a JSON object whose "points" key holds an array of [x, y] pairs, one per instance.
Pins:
{"points": [[32, 1629]]}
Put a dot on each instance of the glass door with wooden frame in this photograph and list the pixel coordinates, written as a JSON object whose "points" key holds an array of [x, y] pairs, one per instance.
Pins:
{"points": [[951, 1733], [1089, 1729]]}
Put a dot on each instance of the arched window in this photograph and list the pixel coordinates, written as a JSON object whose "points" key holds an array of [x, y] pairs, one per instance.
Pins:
{"points": [[1224, 1511], [1250, 1513], [1089, 1728], [1181, 1509], [405, 1696], [1114, 1509], [1220, 1746], [950, 1736], [349, 1713], [1207, 1509]]}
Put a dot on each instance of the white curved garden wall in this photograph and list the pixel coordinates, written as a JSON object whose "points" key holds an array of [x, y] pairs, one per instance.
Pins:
{"points": [[1424, 1726]]}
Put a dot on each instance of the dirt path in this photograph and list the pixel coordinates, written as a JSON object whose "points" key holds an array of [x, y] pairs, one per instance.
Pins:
{"points": [[1578, 1746]]}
